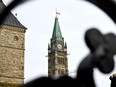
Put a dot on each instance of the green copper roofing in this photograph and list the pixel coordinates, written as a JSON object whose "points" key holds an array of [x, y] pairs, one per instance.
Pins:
{"points": [[56, 31]]}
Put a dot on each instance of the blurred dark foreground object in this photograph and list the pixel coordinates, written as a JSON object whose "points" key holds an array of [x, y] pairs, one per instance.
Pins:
{"points": [[101, 56], [113, 80], [108, 6]]}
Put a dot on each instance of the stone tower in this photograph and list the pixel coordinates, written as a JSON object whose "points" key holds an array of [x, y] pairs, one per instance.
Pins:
{"points": [[57, 53], [12, 41]]}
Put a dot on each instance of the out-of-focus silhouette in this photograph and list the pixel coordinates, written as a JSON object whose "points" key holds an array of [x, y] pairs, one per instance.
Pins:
{"points": [[108, 6], [113, 80]]}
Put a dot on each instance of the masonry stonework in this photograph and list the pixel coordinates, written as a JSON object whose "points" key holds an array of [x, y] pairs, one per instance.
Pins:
{"points": [[12, 41]]}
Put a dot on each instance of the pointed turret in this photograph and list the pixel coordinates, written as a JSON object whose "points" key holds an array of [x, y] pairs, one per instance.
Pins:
{"points": [[49, 48], [65, 45], [56, 31]]}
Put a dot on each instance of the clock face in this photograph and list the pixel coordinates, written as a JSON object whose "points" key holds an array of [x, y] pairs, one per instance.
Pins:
{"points": [[59, 46]]}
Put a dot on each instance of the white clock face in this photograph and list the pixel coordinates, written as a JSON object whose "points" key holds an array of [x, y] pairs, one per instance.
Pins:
{"points": [[59, 46]]}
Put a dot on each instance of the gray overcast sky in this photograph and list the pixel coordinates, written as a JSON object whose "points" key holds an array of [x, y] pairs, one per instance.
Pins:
{"points": [[76, 16]]}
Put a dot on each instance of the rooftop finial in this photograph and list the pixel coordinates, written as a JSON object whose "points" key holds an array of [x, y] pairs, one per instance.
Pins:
{"points": [[16, 14], [57, 13]]}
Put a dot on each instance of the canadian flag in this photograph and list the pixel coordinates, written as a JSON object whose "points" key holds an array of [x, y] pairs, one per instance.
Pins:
{"points": [[58, 13]]}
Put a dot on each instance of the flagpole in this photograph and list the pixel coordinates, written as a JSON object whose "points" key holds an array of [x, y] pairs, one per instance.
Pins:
{"points": [[57, 13]]}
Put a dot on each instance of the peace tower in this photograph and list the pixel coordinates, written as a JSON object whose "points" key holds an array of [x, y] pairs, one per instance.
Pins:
{"points": [[57, 53]]}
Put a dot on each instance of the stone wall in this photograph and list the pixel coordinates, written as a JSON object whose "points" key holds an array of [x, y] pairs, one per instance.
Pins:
{"points": [[12, 42]]}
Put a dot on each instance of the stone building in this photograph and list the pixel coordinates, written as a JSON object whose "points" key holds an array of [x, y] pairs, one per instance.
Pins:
{"points": [[57, 53], [12, 49]]}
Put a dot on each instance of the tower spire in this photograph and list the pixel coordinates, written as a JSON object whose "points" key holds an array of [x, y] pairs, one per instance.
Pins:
{"points": [[56, 31]]}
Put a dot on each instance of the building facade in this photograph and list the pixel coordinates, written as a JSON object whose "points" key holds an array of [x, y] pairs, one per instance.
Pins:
{"points": [[12, 49], [57, 53]]}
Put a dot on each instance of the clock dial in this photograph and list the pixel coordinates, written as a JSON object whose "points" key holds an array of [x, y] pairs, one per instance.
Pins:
{"points": [[59, 46]]}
